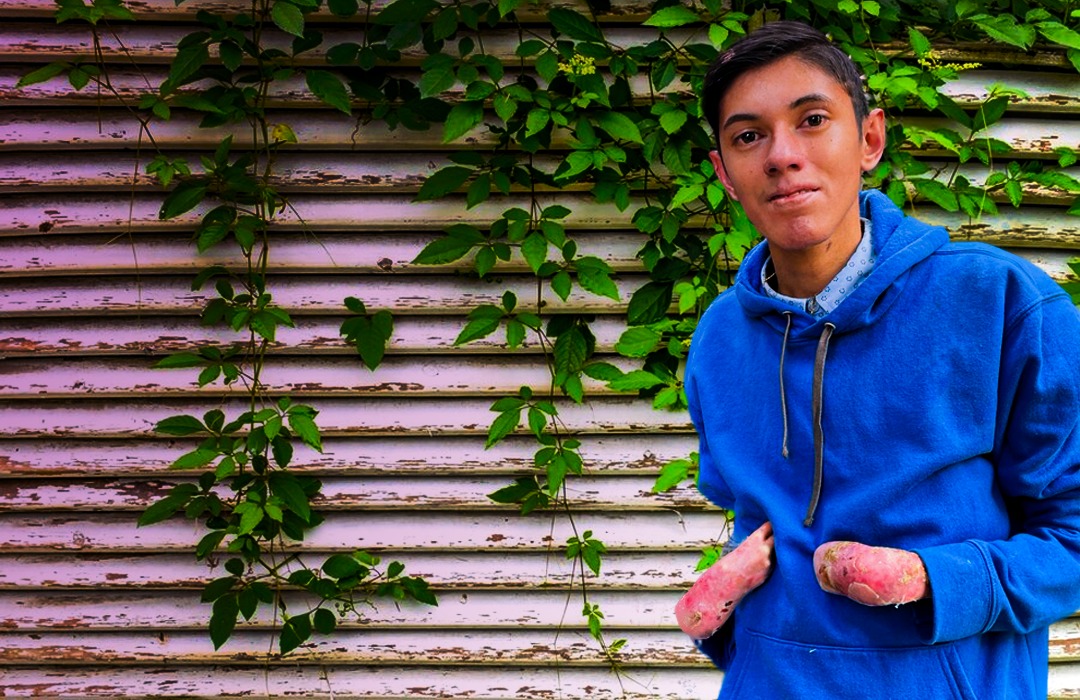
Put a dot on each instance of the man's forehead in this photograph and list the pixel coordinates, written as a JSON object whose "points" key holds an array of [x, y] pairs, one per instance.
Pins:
{"points": [[787, 84]]}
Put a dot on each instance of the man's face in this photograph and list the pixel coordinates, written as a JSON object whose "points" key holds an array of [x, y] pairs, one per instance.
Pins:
{"points": [[793, 154]]}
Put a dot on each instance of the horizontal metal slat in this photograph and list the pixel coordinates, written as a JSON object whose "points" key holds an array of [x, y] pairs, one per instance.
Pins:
{"points": [[415, 532], [299, 377], [333, 253], [1044, 91], [100, 573], [625, 493], [350, 647], [337, 416], [391, 456], [328, 132], [508, 682], [119, 215], [307, 294], [313, 336], [123, 609]]}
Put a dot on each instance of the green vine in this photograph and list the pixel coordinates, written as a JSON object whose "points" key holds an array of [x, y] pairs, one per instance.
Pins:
{"points": [[626, 127]]}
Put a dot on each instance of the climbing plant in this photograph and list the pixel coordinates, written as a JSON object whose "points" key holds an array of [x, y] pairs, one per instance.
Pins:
{"points": [[622, 118]]}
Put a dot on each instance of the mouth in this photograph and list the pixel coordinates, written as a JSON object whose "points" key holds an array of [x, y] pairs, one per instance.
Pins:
{"points": [[791, 195]]}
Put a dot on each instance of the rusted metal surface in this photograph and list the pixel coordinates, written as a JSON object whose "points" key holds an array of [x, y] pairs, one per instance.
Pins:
{"points": [[1044, 91], [116, 573], [588, 493], [432, 417], [312, 335], [440, 455], [444, 531]]}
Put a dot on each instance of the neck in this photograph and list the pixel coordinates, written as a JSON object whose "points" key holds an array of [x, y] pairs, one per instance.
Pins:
{"points": [[805, 272]]}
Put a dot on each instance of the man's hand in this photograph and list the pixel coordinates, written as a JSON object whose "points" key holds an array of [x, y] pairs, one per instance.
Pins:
{"points": [[870, 575], [711, 600]]}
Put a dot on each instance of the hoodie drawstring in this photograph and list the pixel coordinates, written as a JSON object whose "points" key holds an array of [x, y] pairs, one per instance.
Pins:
{"points": [[817, 408], [819, 434], [783, 397]]}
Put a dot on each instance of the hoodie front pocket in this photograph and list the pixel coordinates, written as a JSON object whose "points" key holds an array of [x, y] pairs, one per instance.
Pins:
{"points": [[766, 668]]}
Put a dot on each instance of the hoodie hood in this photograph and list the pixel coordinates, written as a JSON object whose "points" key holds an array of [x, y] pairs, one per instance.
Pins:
{"points": [[899, 241]]}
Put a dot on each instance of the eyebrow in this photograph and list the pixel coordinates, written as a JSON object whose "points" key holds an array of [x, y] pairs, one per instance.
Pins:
{"points": [[747, 117]]}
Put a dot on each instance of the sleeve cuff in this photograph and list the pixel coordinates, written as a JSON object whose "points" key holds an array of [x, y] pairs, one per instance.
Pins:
{"points": [[961, 592]]}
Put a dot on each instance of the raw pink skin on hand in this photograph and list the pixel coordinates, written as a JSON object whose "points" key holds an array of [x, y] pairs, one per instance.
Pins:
{"points": [[870, 575], [711, 600]]}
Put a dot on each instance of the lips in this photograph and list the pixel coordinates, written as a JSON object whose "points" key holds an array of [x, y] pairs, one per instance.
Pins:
{"points": [[791, 193]]}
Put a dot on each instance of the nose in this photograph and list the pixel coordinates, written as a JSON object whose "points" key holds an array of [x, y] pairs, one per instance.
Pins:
{"points": [[785, 153]]}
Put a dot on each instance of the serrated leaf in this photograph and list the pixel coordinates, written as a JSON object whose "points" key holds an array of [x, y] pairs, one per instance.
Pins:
{"points": [[288, 17], [936, 192], [437, 75], [650, 303], [443, 250], [675, 16], [503, 425], [294, 632], [180, 360], [329, 88], [574, 25], [43, 74], [534, 249], [598, 281], [635, 380], [341, 566], [671, 475], [919, 43], [476, 329], [619, 126], [287, 487], [180, 426], [195, 459], [443, 182], [462, 119], [185, 197], [324, 621], [223, 619], [638, 341], [304, 426], [1060, 34]]}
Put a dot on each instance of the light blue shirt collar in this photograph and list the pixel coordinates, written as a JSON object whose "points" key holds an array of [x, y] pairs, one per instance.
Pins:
{"points": [[855, 271]]}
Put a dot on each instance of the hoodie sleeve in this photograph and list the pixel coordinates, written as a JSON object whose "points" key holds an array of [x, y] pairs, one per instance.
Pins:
{"points": [[1029, 580], [719, 648]]}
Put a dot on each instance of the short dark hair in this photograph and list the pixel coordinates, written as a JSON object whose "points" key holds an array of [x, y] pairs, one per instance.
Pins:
{"points": [[772, 42]]}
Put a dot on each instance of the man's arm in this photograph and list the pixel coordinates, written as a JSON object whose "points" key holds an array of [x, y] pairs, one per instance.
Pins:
{"points": [[1032, 578]]}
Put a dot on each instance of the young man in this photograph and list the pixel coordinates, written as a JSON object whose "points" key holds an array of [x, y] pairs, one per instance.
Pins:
{"points": [[895, 417]]}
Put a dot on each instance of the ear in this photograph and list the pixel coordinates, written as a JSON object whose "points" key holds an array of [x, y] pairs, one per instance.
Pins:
{"points": [[873, 139], [721, 172]]}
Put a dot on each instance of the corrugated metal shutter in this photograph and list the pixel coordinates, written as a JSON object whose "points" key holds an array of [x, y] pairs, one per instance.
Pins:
{"points": [[94, 288]]}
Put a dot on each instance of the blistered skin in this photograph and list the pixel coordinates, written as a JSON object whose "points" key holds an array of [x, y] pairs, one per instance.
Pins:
{"points": [[870, 575], [711, 600]]}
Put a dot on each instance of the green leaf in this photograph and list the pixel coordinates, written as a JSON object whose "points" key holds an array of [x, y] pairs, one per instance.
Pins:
{"points": [[1060, 34], [919, 43], [40, 75], [476, 329], [437, 74], [288, 17], [635, 380], [180, 425], [195, 459], [324, 621], [341, 566], [329, 88], [638, 341], [223, 619], [304, 426], [673, 121], [672, 474], [402, 11], [294, 632], [188, 60], [462, 119], [650, 303], [288, 488], [503, 425], [1004, 28], [534, 249], [574, 25], [185, 197], [596, 278], [561, 284], [443, 182], [444, 250], [675, 16], [180, 360], [343, 8], [619, 126], [937, 193]]}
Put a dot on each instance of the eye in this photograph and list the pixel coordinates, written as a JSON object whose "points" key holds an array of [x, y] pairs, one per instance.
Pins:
{"points": [[815, 120], [746, 137]]}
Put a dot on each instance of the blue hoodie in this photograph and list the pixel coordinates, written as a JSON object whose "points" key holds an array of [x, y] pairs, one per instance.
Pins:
{"points": [[948, 404]]}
